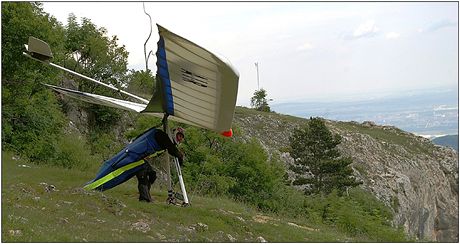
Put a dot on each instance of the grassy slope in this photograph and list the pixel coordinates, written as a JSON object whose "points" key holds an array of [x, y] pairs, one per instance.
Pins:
{"points": [[70, 214]]}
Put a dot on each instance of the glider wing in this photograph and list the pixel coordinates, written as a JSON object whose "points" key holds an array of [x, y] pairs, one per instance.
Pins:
{"points": [[193, 84], [98, 99], [109, 101]]}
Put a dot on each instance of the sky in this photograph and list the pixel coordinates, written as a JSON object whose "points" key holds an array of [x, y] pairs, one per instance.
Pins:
{"points": [[308, 51]]}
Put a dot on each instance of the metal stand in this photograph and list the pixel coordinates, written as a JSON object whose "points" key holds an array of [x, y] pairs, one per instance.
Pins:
{"points": [[172, 197]]}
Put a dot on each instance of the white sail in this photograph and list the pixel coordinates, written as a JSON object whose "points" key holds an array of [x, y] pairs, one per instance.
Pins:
{"points": [[193, 84]]}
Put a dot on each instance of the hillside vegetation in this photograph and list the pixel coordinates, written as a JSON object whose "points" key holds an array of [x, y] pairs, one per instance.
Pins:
{"points": [[47, 204]]}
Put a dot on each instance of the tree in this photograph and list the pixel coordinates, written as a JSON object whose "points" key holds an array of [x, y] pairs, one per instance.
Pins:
{"points": [[31, 117], [314, 149], [88, 50], [259, 100], [141, 82]]}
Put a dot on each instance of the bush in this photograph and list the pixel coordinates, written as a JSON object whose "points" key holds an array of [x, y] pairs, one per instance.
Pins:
{"points": [[73, 152], [35, 126], [143, 123], [360, 214], [141, 82], [208, 174], [286, 201], [31, 118], [256, 177], [220, 166]]}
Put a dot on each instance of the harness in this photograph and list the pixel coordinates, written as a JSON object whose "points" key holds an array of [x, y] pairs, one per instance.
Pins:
{"points": [[118, 172]]}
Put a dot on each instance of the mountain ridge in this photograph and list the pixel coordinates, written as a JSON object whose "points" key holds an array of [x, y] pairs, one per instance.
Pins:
{"points": [[448, 141]]}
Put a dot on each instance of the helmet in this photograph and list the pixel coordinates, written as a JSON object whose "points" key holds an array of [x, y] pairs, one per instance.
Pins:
{"points": [[178, 135]]}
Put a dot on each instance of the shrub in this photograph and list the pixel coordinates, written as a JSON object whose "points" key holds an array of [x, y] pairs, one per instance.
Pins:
{"points": [[143, 123], [221, 166], [360, 214], [73, 152]]}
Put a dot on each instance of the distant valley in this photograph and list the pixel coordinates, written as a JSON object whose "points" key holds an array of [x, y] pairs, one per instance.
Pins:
{"points": [[426, 113]]}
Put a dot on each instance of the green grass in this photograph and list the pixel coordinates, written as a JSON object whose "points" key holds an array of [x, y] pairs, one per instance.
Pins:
{"points": [[244, 111], [70, 214]]}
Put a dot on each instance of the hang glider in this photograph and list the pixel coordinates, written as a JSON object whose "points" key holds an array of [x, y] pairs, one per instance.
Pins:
{"points": [[194, 86]]}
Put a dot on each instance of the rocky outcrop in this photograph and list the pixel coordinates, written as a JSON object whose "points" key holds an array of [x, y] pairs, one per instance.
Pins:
{"points": [[417, 179]]}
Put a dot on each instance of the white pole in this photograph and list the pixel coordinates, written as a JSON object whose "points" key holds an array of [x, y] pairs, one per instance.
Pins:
{"points": [[181, 181], [257, 68]]}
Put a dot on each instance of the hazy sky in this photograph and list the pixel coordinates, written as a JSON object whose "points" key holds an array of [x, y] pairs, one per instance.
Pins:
{"points": [[305, 51]]}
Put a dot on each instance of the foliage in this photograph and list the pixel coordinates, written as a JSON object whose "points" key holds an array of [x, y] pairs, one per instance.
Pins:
{"points": [[143, 123], [314, 150], [89, 51], [31, 118], [218, 166], [360, 214], [141, 82], [259, 100], [103, 117], [74, 152], [19, 21], [104, 143], [256, 177]]}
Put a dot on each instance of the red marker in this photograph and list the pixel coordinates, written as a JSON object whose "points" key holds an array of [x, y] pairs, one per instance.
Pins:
{"points": [[228, 133]]}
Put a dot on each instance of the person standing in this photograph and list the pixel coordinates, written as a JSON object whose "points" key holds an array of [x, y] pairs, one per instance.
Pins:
{"points": [[147, 176]]}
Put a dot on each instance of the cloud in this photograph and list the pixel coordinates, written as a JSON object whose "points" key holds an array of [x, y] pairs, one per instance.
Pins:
{"points": [[440, 24], [364, 30], [392, 35], [304, 47], [367, 29]]}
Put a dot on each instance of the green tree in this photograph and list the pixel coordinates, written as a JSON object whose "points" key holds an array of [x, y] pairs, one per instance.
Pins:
{"points": [[141, 82], [318, 161], [259, 100], [31, 117], [88, 50], [91, 52]]}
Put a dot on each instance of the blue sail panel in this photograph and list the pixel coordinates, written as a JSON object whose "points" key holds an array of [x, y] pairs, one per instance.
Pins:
{"points": [[163, 72]]}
